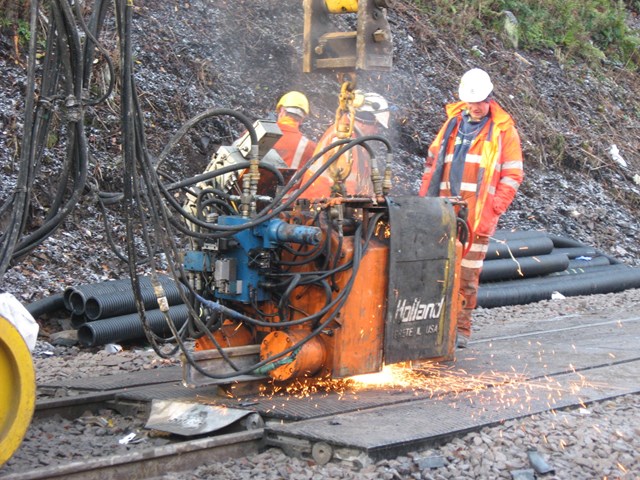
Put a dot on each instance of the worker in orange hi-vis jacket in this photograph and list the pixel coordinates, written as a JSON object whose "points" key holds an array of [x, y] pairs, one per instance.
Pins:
{"points": [[294, 148], [353, 167], [476, 156]]}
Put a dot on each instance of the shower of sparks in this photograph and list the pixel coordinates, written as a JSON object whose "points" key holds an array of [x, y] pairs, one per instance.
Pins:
{"points": [[485, 392]]}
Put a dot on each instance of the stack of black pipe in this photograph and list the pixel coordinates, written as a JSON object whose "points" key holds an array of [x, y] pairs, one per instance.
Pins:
{"points": [[106, 312], [528, 266]]}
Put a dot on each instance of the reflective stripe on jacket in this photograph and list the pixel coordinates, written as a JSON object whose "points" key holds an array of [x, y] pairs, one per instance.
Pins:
{"points": [[294, 148], [493, 166]]}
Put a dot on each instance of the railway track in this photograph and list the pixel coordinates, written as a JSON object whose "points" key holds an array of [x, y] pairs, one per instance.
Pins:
{"points": [[558, 363]]}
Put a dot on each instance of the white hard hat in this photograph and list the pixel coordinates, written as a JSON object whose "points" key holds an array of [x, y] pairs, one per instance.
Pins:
{"points": [[376, 104], [475, 86]]}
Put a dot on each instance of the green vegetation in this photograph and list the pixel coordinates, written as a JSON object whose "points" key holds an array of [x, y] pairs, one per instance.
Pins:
{"points": [[19, 28], [589, 29]]}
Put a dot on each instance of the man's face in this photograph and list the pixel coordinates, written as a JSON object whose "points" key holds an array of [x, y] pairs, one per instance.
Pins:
{"points": [[368, 128], [478, 110]]}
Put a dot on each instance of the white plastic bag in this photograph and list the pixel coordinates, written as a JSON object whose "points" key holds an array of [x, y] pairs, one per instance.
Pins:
{"points": [[14, 311]]}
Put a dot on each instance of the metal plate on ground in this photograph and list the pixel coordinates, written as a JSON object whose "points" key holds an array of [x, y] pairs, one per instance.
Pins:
{"points": [[387, 432], [565, 345], [281, 407], [189, 418]]}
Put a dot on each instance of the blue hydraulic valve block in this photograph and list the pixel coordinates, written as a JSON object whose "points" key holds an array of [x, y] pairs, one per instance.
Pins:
{"points": [[239, 265]]}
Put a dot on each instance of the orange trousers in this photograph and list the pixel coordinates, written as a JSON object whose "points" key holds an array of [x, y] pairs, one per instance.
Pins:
{"points": [[471, 266]]}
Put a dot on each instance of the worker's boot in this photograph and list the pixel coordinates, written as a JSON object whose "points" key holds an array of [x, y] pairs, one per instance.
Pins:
{"points": [[463, 333]]}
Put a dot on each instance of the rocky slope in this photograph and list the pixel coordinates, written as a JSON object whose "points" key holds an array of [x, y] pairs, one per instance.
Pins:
{"points": [[190, 56]]}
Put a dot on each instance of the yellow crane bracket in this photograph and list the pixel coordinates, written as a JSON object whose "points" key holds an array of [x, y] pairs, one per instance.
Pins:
{"points": [[326, 47]]}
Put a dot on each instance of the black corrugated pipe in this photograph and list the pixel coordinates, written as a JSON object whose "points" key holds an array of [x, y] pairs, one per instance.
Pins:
{"points": [[615, 278], [575, 252], [46, 305], [75, 296], [78, 296], [525, 247], [569, 271], [129, 327], [560, 242], [78, 319], [524, 267], [597, 261], [517, 234], [121, 303]]}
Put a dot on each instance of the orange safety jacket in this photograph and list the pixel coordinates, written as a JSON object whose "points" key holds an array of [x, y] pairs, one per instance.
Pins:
{"points": [[294, 148], [355, 161], [493, 168]]}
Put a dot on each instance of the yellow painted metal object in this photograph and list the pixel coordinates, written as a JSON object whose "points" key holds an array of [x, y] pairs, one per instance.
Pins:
{"points": [[17, 389], [341, 6]]}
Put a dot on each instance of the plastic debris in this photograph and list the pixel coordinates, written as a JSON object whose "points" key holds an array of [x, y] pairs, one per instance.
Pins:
{"points": [[434, 461], [127, 439], [19, 316], [112, 348], [615, 154], [538, 463], [526, 474], [557, 296]]}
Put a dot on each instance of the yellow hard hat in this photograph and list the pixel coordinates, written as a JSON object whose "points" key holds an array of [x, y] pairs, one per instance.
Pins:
{"points": [[295, 100]]}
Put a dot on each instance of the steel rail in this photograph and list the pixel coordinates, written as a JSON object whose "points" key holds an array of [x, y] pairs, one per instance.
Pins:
{"points": [[152, 462]]}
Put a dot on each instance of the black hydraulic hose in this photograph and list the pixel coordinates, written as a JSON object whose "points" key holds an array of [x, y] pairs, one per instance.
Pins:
{"points": [[92, 41], [93, 29], [221, 230], [214, 112], [20, 198], [338, 303], [129, 327], [519, 248], [266, 214], [523, 267], [203, 177], [107, 230], [49, 304], [614, 278], [77, 150], [283, 204]]}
